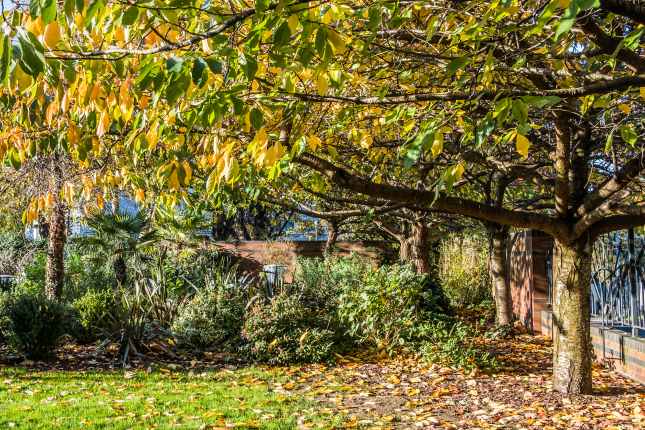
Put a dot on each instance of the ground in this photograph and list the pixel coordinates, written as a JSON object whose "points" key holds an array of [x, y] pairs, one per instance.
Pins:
{"points": [[360, 392]]}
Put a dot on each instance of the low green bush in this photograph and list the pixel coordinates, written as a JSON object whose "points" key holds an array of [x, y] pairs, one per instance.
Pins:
{"points": [[384, 308], [451, 342], [289, 329], [33, 324], [96, 315], [212, 318]]}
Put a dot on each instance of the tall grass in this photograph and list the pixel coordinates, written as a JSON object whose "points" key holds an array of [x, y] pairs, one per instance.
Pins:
{"points": [[463, 269]]}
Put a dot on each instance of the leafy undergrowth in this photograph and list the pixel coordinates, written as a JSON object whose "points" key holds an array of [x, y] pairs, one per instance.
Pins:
{"points": [[215, 391]]}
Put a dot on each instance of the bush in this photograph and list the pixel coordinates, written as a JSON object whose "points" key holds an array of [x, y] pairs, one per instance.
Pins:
{"points": [[96, 315], [385, 306], [288, 329], [213, 317], [451, 342], [463, 270], [33, 324]]}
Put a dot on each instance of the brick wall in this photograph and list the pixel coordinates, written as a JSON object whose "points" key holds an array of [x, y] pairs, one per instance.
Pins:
{"points": [[527, 276], [253, 254], [621, 351]]}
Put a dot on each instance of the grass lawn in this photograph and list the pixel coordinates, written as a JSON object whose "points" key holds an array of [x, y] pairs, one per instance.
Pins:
{"points": [[161, 399]]}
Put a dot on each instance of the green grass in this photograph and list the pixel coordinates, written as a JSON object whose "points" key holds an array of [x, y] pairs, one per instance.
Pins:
{"points": [[161, 399]]}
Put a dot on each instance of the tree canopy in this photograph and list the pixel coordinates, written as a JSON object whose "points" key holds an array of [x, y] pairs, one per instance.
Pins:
{"points": [[515, 113]]}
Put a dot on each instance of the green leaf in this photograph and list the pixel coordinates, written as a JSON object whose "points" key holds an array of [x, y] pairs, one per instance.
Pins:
{"points": [[95, 7], [34, 8], [628, 134], [177, 87], [5, 58], [14, 158], [281, 35], [48, 12], [130, 16], [541, 101], [214, 65], [564, 26], [455, 65], [199, 72], [520, 111], [32, 59], [174, 64], [257, 118], [249, 66], [261, 5], [69, 7]]}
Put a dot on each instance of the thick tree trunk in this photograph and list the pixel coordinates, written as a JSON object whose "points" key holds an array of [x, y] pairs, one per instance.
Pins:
{"points": [[571, 318], [498, 273], [415, 249], [55, 268], [332, 237]]}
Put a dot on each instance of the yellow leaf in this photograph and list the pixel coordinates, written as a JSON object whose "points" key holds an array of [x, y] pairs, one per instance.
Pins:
{"points": [[366, 140], [152, 136], [337, 42], [261, 138], [274, 154], [119, 35], [625, 108], [72, 134], [522, 145], [173, 179], [36, 26], [322, 84], [139, 195], [458, 171], [642, 92], [313, 142], [293, 23], [104, 124], [188, 172], [52, 34], [100, 201], [437, 144], [49, 200]]}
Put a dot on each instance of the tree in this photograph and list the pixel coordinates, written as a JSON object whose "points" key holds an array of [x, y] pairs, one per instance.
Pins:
{"points": [[393, 101], [117, 239]]}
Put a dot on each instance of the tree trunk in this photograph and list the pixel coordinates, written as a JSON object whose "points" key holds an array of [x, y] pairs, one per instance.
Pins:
{"points": [[55, 268], [332, 237], [415, 248], [571, 317], [498, 272], [120, 272]]}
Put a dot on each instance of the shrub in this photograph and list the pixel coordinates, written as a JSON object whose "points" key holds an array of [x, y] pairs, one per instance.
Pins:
{"points": [[451, 342], [213, 317], [96, 315], [33, 324], [463, 270], [287, 330], [385, 306]]}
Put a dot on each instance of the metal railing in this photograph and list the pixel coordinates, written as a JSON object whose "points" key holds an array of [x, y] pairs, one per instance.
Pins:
{"points": [[618, 280]]}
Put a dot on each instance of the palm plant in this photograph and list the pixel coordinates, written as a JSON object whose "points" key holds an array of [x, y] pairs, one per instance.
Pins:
{"points": [[117, 239]]}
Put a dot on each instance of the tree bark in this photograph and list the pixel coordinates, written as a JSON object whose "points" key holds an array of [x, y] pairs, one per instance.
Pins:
{"points": [[415, 248], [332, 237], [55, 267], [120, 272], [498, 272], [571, 317]]}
